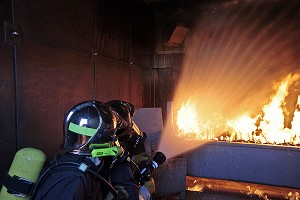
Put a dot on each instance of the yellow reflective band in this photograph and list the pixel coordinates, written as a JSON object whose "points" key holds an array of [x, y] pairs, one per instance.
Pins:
{"points": [[82, 130]]}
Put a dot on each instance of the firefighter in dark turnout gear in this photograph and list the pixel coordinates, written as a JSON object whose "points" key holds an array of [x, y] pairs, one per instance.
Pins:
{"points": [[90, 144], [132, 140], [129, 136]]}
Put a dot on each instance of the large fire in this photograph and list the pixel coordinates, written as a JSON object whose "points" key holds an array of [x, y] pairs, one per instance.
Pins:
{"points": [[268, 127]]}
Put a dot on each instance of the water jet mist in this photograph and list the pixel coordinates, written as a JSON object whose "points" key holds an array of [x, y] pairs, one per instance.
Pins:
{"points": [[235, 55]]}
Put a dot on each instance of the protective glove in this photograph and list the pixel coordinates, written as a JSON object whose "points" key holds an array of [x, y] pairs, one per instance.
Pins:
{"points": [[150, 185], [146, 190], [137, 159], [122, 193]]}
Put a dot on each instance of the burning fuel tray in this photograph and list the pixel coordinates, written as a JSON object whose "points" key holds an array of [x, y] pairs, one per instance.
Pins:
{"points": [[255, 163], [224, 189]]}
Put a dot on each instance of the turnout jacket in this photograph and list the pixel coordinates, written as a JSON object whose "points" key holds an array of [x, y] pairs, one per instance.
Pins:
{"points": [[63, 179]]}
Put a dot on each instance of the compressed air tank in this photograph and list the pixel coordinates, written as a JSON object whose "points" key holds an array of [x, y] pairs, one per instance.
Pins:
{"points": [[27, 164]]}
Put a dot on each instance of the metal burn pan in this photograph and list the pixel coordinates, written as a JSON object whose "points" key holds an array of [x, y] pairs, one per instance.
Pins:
{"points": [[255, 163]]}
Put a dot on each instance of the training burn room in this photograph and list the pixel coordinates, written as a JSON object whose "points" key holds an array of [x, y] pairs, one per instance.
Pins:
{"points": [[149, 99]]}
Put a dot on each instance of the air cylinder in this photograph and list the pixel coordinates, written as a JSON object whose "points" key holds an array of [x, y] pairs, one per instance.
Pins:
{"points": [[27, 165]]}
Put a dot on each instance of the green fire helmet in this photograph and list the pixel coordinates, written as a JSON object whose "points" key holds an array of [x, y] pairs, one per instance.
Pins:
{"points": [[89, 122]]}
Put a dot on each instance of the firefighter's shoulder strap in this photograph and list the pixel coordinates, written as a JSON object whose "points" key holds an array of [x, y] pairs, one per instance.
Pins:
{"points": [[64, 163]]}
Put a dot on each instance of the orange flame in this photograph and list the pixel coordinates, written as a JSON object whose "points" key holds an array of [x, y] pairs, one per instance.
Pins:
{"points": [[267, 127], [187, 120]]}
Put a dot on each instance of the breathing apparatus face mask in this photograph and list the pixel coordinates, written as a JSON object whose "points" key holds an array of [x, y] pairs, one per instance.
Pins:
{"points": [[124, 111], [113, 149]]}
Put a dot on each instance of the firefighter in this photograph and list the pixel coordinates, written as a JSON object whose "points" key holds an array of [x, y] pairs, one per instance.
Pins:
{"points": [[90, 144], [132, 140]]}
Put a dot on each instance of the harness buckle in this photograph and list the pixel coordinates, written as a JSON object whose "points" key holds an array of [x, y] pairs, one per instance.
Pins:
{"points": [[83, 167]]}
